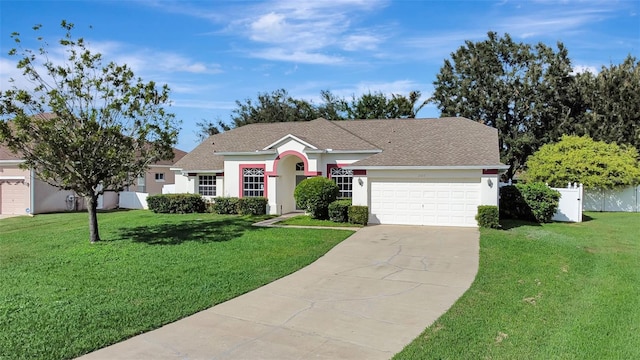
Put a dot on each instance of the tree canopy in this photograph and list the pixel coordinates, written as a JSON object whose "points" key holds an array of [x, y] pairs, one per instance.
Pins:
{"points": [[279, 106], [524, 91], [612, 102], [595, 164], [84, 126]]}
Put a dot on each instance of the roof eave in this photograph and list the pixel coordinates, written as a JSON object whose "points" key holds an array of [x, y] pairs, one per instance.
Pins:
{"points": [[12, 162], [238, 153], [442, 167], [207, 171]]}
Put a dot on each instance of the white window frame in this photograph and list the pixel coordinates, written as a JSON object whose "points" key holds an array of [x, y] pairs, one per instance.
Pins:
{"points": [[344, 179], [159, 177], [253, 182], [209, 187]]}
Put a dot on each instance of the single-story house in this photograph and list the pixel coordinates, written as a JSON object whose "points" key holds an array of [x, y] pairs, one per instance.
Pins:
{"points": [[22, 193], [407, 171]]}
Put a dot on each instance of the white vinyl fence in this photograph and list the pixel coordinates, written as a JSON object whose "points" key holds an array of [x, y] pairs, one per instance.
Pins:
{"points": [[627, 200], [570, 204], [133, 200], [169, 189]]}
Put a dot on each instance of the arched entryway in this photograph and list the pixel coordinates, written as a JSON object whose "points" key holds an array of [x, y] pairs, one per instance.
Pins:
{"points": [[290, 170]]}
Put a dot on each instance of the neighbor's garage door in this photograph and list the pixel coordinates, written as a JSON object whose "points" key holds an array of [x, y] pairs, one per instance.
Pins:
{"points": [[14, 197], [425, 203]]}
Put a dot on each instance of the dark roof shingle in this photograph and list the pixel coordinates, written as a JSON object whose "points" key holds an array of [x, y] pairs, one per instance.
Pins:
{"points": [[403, 142]]}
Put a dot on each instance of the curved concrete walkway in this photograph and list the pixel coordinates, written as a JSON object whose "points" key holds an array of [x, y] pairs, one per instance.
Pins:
{"points": [[365, 299]]}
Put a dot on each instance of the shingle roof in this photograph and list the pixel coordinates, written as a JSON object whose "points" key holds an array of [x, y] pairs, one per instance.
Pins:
{"points": [[6, 154], [404, 142]]}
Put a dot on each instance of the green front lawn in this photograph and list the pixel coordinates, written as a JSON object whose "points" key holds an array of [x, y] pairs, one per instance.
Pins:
{"points": [[557, 291], [306, 220], [61, 297]]}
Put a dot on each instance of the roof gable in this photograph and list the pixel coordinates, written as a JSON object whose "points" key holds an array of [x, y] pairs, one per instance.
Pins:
{"points": [[288, 138]]}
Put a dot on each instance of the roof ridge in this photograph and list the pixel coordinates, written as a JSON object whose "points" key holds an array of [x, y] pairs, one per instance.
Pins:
{"points": [[335, 123]]}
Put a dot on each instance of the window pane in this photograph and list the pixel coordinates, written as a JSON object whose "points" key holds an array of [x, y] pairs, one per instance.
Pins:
{"points": [[207, 185], [343, 178], [252, 182]]}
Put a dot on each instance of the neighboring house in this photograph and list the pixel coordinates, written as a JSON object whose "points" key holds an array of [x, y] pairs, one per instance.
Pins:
{"points": [[407, 171], [158, 175], [22, 193]]}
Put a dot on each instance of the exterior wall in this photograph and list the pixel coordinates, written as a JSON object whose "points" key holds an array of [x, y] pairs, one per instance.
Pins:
{"points": [[360, 190], [151, 185], [185, 184], [49, 199], [489, 189]]}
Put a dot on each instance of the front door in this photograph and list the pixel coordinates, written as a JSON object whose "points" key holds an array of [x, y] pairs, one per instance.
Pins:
{"points": [[299, 179]]}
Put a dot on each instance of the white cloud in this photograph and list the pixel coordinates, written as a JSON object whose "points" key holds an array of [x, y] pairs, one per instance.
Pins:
{"points": [[297, 56], [361, 42], [579, 69], [555, 18]]}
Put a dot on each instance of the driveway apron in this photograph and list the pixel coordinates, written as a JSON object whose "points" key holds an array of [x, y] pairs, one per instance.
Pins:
{"points": [[367, 298]]}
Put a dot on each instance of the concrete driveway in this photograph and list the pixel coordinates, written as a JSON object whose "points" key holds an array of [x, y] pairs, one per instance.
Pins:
{"points": [[366, 299]]}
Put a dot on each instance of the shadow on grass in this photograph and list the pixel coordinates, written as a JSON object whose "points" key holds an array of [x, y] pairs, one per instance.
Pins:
{"points": [[508, 224], [586, 218], [203, 231]]}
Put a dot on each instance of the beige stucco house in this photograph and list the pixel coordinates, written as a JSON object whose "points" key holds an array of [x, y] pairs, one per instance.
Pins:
{"points": [[407, 171], [22, 193]]}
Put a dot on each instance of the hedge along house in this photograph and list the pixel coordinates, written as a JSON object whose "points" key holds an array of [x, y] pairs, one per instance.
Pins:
{"points": [[407, 171]]}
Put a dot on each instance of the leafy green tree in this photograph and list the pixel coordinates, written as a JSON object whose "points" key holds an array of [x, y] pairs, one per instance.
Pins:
{"points": [[612, 99], [595, 164], [526, 92], [206, 128], [277, 106], [104, 128], [379, 106]]}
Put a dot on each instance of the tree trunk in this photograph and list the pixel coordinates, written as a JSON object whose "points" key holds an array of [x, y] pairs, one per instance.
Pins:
{"points": [[92, 204]]}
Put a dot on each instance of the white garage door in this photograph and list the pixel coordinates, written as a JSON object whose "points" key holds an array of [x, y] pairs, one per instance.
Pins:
{"points": [[425, 203], [14, 197]]}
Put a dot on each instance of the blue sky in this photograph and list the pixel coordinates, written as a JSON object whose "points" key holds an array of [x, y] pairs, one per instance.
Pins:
{"points": [[212, 53]]}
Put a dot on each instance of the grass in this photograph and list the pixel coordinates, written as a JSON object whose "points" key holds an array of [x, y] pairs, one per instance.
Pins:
{"points": [[305, 220], [556, 291], [61, 297]]}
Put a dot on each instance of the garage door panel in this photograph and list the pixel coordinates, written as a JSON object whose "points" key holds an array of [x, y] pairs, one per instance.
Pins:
{"points": [[14, 197], [425, 203]]}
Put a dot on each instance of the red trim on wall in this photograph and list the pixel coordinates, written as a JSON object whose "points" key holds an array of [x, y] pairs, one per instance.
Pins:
{"points": [[299, 156], [220, 174], [489, 171], [360, 172], [241, 179]]}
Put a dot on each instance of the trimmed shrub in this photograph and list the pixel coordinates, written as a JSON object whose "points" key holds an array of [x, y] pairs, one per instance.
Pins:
{"points": [[534, 202], [176, 203], [314, 196], [488, 216], [359, 214], [252, 206], [339, 210], [225, 205]]}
